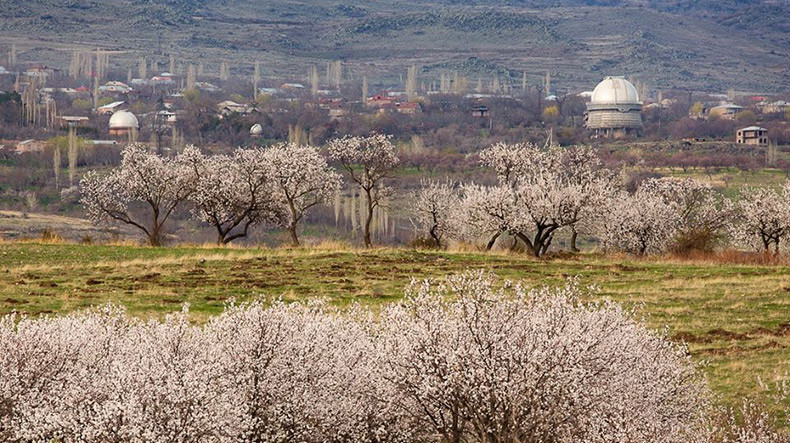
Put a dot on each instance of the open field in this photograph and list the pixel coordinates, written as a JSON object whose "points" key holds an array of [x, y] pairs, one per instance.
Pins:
{"points": [[734, 316]]}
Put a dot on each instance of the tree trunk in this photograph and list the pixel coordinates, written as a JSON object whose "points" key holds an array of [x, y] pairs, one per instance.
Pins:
{"points": [[532, 247], [294, 237], [574, 235], [492, 241], [434, 237], [154, 237], [369, 219]]}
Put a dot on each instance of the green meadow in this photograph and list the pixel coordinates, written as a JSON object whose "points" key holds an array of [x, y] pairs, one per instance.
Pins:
{"points": [[734, 317]]}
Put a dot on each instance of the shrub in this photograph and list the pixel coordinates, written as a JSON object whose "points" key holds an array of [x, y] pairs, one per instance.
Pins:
{"points": [[475, 360]]}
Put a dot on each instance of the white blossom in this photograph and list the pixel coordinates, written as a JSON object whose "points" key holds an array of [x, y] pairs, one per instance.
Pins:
{"points": [[433, 207], [369, 161], [539, 192], [473, 360], [235, 192], [143, 191], [640, 223], [301, 179], [763, 218]]}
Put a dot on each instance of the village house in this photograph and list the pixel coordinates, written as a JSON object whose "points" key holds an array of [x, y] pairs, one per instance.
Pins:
{"points": [[230, 107], [329, 103], [206, 86], [164, 117], [779, 106], [409, 108], [726, 111], [164, 78], [30, 146], [39, 71], [379, 101], [292, 86], [110, 108], [753, 135], [115, 87], [268, 91]]}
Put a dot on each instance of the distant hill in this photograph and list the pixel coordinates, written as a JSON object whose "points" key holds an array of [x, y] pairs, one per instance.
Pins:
{"points": [[702, 45]]}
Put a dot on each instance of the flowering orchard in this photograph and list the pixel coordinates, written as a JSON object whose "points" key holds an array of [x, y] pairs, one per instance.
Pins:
{"points": [[277, 185], [471, 360], [542, 192], [539, 194]]}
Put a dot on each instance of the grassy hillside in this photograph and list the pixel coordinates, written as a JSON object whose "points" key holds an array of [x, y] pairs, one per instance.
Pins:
{"points": [[701, 45], [734, 316]]}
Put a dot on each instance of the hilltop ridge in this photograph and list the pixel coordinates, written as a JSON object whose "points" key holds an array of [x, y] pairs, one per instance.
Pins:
{"points": [[706, 45]]}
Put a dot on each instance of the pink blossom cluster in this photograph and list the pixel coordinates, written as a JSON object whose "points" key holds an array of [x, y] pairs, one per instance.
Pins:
{"points": [[470, 359]]}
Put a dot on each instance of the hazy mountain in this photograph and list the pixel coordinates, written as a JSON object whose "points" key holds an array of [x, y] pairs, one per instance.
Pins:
{"points": [[707, 44]]}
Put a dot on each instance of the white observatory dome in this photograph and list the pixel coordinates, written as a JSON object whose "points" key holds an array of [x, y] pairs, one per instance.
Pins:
{"points": [[615, 91], [123, 120], [256, 129]]}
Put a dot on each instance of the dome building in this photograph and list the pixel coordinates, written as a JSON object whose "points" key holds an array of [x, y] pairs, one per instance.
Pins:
{"points": [[614, 109], [256, 130], [124, 124]]}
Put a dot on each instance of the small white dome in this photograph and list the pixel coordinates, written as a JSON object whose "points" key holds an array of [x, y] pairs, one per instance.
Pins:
{"points": [[256, 129], [123, 120], [615, 91]]}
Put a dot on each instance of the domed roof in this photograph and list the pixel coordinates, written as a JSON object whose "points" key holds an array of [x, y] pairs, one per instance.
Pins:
{"points": [[123, 120], [615, 91], [256, 129]]}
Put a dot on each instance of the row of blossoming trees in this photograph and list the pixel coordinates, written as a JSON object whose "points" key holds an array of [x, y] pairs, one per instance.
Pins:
{"points": [[540, 193], [275, 185], [472, 360]]}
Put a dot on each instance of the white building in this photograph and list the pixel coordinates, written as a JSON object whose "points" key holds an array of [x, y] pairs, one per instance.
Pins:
{"points": [[614, 109]]}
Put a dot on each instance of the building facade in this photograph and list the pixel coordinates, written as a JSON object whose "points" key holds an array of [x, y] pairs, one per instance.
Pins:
{"points": [[753, 135]]}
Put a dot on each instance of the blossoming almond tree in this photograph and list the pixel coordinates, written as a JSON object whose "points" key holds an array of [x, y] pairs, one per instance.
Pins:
{"points": [[763, 218], [143, 191], [478, 361], [596, 183], [234, 192], [433, 208], [704, 215], [640, 223], [484, 211], [301, 179], [369, 161], [547, 190]]}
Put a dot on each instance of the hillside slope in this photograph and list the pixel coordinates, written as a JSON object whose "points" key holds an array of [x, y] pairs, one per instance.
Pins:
{"points": [[711, 45]]}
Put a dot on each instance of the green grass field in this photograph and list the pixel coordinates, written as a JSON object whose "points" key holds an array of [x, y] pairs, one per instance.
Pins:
{"points": [[736, 318]]}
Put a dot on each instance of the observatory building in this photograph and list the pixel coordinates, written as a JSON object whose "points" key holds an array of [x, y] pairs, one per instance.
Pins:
{"points": [[614, 109], [124, 124]]}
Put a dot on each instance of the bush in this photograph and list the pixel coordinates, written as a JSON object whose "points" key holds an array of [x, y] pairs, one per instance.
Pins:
{"points": [[695, 240], [422, 242], [471, 361]]}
